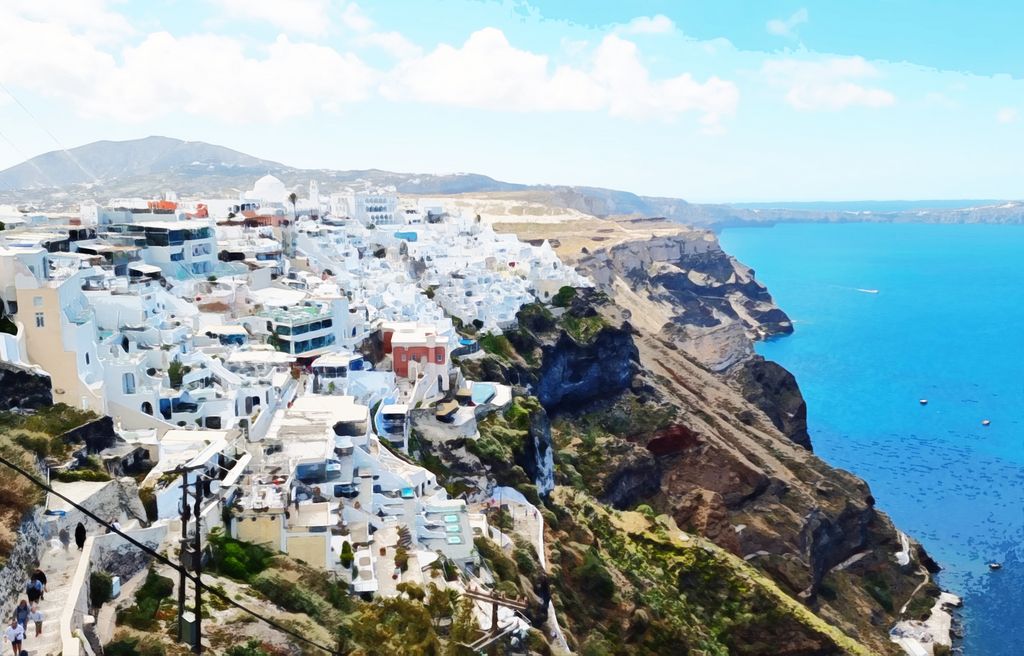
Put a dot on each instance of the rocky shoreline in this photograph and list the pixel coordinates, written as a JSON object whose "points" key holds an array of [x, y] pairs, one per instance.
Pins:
{"points": [[731, 460]]}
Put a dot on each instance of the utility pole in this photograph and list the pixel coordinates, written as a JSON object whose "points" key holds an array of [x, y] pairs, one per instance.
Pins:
{"points": [[185, 514], [197, 647]]}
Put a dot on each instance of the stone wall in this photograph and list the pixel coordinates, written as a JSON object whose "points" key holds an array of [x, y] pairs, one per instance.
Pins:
{"points": [[26, 553]]}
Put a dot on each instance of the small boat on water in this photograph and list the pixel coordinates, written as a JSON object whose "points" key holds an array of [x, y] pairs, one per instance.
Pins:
{"points": [[985, 422], [923, 401], [994, 566], [868, 291]]}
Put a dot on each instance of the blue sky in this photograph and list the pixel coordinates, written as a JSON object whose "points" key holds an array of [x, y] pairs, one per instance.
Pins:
{"points": [[709, 101]]}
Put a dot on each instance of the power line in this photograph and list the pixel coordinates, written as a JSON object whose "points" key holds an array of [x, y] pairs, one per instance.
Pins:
{"points": [[50, 134], [163, 559]]}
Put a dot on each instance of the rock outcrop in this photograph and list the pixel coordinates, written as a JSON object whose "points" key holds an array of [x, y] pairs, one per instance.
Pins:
{"points": [[685, 287], [23, 387], [774, 390]]}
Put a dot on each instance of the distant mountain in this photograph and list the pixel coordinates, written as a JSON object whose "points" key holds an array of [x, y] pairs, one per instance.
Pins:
{"points": [[144, 167], [102, 170], [104, 161]]}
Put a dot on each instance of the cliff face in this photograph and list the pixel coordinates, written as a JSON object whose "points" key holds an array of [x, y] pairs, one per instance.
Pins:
{"points": [[713, 436], [685, 288]]}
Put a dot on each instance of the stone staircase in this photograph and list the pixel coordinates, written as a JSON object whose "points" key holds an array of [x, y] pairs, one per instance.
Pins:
{"points": [[59, 567]]}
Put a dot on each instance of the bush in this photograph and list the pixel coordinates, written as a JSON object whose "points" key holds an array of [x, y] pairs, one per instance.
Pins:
{"points": [[101, 587], [131, 646], [289, 596], [175, 371], [237, 559], [252, 648], [402, 558], [564, 297], [594, 577], [73, 475], [346, 554], [57, 419]]}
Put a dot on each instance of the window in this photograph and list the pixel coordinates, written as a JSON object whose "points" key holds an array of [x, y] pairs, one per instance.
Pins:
{"points": [[40, 320], [128, 383], [37, 301], [86, 358], [440, 356]]}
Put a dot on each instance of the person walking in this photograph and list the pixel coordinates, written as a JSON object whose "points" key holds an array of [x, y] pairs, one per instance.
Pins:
{"points": [[65, 537], [33, 590], [80, 535], [40, 577], [15, 634], [21, 614], [36, 616]]}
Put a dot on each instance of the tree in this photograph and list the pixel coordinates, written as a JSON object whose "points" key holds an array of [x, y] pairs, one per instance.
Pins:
{"points": [[346, 554], [441, 603], [464, 629], [402, 558], [176, 372], [564, 296]]}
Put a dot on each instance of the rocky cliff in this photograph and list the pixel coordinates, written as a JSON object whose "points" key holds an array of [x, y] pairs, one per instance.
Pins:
{"points": [[710, 435], [684, 287], [22, 387]]}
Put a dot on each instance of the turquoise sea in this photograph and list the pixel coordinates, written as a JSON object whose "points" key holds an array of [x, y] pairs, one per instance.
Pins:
{"points": [[947, 325]]}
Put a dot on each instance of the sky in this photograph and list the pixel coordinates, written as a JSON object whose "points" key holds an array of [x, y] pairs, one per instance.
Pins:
{"points": [[711, 101]]}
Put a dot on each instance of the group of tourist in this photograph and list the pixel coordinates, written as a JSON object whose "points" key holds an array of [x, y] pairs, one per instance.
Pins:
{"points": [[27, 611]]}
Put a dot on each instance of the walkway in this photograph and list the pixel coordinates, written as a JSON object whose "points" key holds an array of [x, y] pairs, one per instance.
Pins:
{"points": [[59, 566]]}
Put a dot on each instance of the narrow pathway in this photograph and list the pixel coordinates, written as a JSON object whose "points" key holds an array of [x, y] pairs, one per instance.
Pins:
{"points": [[59, 566]]}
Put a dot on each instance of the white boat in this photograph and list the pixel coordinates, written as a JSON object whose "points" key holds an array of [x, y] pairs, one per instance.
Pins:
{"points": [[868, 291]]}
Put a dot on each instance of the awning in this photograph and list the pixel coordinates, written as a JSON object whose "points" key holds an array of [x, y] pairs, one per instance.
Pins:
{"points": [[145, 269], [446, 408], [227, 330]]}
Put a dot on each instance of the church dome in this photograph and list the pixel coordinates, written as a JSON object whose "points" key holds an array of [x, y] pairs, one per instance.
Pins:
{"points": [[269, 190]]}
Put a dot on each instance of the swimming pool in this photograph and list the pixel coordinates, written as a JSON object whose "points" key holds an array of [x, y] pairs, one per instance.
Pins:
{"points": [[453, 528], [408, 493], [454, 540], [482, 392], [451, 518]]}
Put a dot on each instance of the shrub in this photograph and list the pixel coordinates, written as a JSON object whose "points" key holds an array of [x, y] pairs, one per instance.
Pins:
{"points": [[346, 554], [237, 559], [125, 645], [101, 587], [402, 558], [73, 475], [57, 419], [524, 561], [564, 297], [175, 371], [252, 648], [594, 577], [288, 595]]}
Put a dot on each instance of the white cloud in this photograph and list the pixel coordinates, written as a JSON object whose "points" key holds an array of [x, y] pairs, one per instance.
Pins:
{"points": [[828, 84], [206, 74], [354, 18], [488, 72], [92, 19], [392, 43], [787, 26], [305, 17], [633, 94], [1007, 115], [658, 24]]}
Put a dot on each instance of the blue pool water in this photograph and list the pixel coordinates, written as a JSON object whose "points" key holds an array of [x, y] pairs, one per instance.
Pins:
{"points": [[947, 325], [482, 392]]}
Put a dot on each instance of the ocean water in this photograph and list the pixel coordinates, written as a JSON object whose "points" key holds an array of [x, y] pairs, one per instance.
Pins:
{"points": [[947, 325]]}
